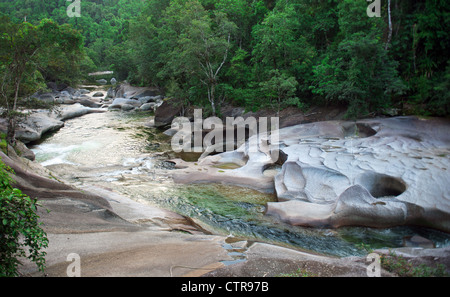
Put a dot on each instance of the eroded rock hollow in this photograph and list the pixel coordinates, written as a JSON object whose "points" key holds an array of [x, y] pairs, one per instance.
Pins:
{"points": [[376, 173]]}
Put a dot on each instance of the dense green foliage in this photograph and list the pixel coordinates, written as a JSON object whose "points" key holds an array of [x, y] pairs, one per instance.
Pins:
{"points": [[20, 232], [298, 53], [30, 54], [252, 53], [258, 53], [402, 267], [103, 23]]}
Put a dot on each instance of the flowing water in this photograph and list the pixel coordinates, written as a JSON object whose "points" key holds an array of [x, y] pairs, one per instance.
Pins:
{"points": [[120, 151]]}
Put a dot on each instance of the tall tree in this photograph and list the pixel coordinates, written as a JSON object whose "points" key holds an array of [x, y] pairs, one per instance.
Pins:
{"points": [[282, 49], [199, 45], [244, 14], [358, 72], [23, 50]]}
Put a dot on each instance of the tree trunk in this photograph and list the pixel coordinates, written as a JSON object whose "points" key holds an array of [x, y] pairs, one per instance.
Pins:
{"points": [[211, 99], [414, 46], [390, 26], [11, 133]]}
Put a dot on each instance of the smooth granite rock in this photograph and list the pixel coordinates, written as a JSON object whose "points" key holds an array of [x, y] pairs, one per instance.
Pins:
{"points": [[377, 172]]}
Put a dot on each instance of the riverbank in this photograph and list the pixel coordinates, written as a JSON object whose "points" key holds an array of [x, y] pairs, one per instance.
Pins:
{"points": [[117, 236], [113, 235]]}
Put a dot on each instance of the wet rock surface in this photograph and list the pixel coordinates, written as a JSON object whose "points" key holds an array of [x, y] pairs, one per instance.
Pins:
{"points": [[376, 173], [113, 235], [264, 260]]}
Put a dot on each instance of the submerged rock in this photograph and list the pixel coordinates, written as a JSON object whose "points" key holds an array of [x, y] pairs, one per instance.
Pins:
{"points": [[418, 241]]}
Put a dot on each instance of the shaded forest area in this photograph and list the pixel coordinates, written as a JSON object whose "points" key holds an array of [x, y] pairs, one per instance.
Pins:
{"points": [[261, 54]]}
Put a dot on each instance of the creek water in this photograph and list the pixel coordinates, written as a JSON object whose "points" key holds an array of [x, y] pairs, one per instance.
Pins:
{"points": [[120, 151]]}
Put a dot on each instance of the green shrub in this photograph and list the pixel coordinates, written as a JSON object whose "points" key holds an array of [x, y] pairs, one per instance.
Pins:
{"points": [[400, 266], [19, 227], [3, 143]]}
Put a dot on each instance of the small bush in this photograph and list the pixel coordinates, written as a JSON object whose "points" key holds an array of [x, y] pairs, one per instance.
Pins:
{"points": [[3, 143], [401, 267], [19, 227]]}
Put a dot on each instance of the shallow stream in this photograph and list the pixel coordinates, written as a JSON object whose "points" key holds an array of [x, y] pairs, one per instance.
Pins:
{"points": [[121, 152]]}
